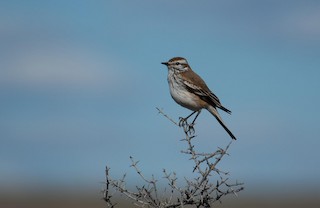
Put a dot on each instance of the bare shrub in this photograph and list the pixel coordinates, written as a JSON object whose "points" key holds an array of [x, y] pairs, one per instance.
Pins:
{"points": [[201, 191]]}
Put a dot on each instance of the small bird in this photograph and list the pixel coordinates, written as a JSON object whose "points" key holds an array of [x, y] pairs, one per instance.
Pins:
{"points": [[190, 91]]}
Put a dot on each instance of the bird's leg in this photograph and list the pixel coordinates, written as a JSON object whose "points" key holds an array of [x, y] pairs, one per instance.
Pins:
{"points": [[191, 129], [183, 121], [195, 117]]}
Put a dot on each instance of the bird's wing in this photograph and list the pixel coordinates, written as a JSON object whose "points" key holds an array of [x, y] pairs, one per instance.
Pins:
{"points": [[204, 93]]}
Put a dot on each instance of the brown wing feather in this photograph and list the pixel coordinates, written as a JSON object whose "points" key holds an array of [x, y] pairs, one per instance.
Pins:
{"points": [[201, 89]]}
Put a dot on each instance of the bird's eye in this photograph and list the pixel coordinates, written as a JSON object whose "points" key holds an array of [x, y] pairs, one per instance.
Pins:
{"points": [[177, 63]]}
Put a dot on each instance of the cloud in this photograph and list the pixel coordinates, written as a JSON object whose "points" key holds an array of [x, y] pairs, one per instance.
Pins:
{"points": [[292, 20], [59, 66], [303, 23]]}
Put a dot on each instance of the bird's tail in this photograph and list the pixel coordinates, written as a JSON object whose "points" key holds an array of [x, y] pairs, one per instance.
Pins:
{"points": [[224, 109], [215, 113]]}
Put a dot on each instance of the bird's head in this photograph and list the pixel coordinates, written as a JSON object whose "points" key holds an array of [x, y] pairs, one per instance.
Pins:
{"points": [[177, 64]]}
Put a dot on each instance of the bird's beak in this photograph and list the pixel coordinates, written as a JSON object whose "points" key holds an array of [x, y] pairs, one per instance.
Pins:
{"points": [[165, 63]]}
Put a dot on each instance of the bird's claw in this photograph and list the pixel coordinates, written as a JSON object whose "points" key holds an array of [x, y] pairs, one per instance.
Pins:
{"points": [[188, 127], [191, 129], [182, 122]]}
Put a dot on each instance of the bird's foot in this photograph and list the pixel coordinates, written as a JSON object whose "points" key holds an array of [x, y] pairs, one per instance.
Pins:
{"points": [[183, 122], [187, 127], [191, 129]]}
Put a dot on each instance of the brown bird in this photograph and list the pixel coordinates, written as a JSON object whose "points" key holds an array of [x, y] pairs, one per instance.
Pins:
{"points": [[190, 91]]}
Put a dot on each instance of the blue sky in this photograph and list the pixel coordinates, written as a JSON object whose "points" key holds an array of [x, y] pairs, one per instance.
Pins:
{"points": [[80, 82]]}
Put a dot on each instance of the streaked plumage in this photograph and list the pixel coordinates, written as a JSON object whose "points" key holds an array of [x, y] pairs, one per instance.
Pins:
{"points": [[190, 91]]}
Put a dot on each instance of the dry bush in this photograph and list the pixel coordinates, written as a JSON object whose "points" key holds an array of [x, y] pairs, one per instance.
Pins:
{"points": [[200, 191]]}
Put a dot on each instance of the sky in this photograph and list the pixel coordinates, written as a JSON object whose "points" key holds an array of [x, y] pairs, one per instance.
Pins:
{"points": [[80, 82]]}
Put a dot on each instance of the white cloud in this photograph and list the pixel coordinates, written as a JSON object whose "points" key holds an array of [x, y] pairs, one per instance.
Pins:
{"points": [[303, 23], [59, 66]]}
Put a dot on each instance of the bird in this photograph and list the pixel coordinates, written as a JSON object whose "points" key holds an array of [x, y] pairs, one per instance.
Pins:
{"points": [[189, 90]]}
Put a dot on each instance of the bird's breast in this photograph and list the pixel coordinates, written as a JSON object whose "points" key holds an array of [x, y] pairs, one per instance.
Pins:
{"points": [[182, 96]]}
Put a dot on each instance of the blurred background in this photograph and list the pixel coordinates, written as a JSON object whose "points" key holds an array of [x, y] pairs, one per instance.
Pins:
{"points": [[80, 82]]}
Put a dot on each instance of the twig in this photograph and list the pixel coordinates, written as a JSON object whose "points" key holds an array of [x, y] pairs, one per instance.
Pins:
{"points": [[165, 115], [199, 191]]}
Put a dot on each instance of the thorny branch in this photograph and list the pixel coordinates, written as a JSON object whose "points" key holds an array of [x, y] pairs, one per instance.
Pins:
{"points": [[199, 191]]}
